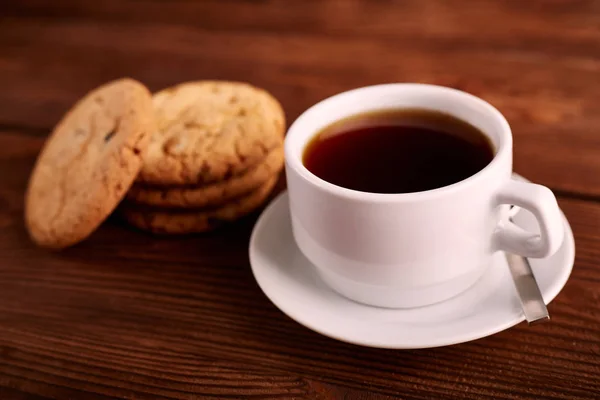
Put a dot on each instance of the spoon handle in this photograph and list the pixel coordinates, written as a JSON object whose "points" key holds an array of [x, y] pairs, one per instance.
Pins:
{"points": [[530, 296]]}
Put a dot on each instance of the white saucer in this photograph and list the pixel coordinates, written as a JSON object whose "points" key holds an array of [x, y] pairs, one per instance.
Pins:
{"points": [[290, 281]]}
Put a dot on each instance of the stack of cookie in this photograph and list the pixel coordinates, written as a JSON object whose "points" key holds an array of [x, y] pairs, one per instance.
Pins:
{"points": [[215, 156], [185, 160]]}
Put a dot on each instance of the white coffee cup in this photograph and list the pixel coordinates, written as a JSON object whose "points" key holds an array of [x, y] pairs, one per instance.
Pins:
{"points": [[413, 249]]}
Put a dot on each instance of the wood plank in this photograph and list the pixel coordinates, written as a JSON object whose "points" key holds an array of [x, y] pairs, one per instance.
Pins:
{"points": [[41, 369], [151, 50], [170, 318], [540, 78], [510, 20]]}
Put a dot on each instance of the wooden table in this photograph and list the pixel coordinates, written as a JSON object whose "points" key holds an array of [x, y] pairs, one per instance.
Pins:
{"points": [[134, 316]]}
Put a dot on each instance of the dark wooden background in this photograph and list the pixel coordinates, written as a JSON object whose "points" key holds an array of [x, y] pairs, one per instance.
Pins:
{"points": [[129, 315]]}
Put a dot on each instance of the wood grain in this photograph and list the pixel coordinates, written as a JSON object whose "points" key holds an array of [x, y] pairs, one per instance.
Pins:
{"points": [[176, 318], [127, 315]]}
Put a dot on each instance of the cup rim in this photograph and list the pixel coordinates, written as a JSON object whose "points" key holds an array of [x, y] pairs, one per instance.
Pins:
{"points": [[295, 163]]}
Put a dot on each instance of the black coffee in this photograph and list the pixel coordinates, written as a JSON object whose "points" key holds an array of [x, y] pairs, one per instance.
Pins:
{"points": [[398, 151]]}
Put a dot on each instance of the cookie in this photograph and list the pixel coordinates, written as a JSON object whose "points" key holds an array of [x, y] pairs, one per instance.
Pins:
{"points": [[179, 222], [87, 163], [210, 130], [211, 194]]}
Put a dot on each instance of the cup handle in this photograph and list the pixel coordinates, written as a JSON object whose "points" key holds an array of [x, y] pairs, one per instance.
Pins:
{"points": [[541, 202]]}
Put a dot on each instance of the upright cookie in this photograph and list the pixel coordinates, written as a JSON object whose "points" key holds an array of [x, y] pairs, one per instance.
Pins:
{"points": [[212, 194], [196, 221], [88, 162], [209, 131]]}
